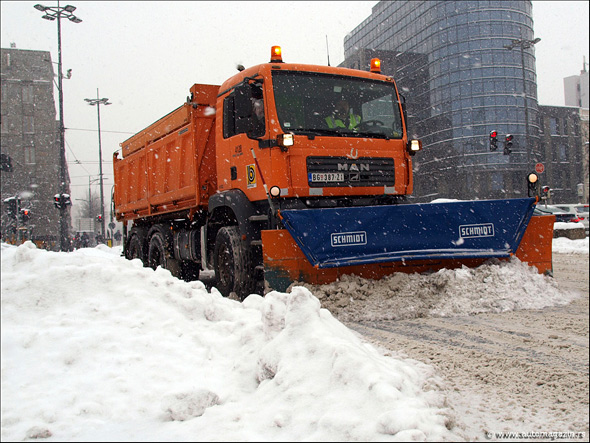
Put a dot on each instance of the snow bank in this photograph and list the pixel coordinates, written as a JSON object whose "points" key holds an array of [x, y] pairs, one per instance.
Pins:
{"points": [[95, 347]]}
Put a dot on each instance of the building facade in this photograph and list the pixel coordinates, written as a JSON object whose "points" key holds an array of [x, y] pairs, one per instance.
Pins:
{"points": [[466, 68], [575, 89], [564, 153], [29, 141], [585, 128]]}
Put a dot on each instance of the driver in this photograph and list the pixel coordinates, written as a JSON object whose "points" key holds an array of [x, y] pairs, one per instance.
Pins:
{"points": [[342, 117]]}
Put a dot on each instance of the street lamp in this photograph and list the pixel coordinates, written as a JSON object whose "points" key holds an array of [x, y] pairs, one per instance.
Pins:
{"points": [[52, 13], [524, 44], [99, 101], [90, 195]]}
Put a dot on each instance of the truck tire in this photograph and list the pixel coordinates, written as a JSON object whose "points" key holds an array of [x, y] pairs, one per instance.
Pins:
{"points": [[157, 251], [135, 248], [158, 254], [233, 264]]}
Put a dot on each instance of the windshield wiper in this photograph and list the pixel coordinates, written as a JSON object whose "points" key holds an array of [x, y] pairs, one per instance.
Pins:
{"points": [[339, 133], [370, 135], [313, 131]]}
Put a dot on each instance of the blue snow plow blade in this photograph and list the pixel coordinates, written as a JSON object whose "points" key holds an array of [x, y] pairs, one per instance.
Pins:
{"points": [[452, 230]]}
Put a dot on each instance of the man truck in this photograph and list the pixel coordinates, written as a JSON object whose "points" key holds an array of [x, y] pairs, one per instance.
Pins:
{"points": [[248, 179]]}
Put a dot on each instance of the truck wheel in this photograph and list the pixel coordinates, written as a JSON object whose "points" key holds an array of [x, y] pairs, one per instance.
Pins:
{"points": [[135, 249], [233, 264], [157, 251]]}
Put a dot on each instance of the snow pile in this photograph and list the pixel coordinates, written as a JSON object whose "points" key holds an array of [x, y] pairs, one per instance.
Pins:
{"points": [[568, 225], [95, 347], [493, 287]]}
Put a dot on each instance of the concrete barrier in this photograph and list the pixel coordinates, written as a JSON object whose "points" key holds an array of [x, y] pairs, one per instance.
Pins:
{"points": [[573, 231]]}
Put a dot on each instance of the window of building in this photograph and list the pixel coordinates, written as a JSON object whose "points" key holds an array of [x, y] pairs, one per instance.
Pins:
{"points": [[512, 115], [28, 124], [566, 178], [30, 153], [554, 153], [502, 100], [563, 157], [27, 93], [554, 126], [497, 182], [477, 87]]}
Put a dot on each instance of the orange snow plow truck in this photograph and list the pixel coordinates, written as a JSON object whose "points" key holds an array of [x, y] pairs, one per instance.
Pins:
{"points": [[291, 172]]}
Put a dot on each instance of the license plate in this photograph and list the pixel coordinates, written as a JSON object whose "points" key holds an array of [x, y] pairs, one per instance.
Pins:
{"points": [[327, 177]]}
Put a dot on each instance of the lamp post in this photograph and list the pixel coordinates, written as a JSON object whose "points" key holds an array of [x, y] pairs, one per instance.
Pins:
{"points": [[52, 13], [99, 101], [524, 44], [90, 196]]}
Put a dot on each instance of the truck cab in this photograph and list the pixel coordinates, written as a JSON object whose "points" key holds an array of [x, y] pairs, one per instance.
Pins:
{"points": [[280, 128]]}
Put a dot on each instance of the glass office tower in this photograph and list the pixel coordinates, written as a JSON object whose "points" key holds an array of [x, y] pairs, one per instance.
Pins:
{"points": [[466, 68]]}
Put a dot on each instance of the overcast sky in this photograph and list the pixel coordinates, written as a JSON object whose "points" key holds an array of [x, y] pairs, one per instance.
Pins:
{"points": [[144, 56]]}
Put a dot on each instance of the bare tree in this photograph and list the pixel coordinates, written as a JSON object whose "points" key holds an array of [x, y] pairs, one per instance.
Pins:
{"points": [[88, 208]]}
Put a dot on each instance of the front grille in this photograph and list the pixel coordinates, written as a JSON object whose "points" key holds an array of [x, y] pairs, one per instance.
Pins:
{"points": [[343, 171]]}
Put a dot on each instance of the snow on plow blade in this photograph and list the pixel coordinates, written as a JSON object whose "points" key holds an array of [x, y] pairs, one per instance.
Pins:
{"points": [[378, 240]]}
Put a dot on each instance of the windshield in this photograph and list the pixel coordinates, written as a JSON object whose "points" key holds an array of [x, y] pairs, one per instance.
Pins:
{"points": [[332, 105]]}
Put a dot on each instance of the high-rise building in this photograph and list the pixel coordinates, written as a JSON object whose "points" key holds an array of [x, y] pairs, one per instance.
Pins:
{"points": [[466, 68], [29, 147], [575, 89]]}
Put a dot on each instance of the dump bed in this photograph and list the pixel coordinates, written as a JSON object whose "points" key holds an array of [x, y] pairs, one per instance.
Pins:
{"points": [[170, 165]]}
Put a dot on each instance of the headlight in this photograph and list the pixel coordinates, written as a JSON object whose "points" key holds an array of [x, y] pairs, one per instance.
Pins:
{"points": [[414, 146], [285, 140], [275, 191]]}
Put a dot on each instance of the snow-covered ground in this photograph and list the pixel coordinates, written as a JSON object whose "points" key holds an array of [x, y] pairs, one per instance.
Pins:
{"points": [[566, 246], [98, 348]]}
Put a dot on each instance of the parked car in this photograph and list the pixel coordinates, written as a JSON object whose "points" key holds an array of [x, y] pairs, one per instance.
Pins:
{"points": [[560, 215], [581, 210]]}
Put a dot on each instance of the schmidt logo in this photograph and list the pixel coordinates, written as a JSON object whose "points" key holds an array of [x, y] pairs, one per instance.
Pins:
{"points": [[349, 238], [470, 231]]}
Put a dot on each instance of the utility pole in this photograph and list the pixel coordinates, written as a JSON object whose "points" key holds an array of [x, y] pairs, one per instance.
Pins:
{"points": [[99, 101], [52, 13]]}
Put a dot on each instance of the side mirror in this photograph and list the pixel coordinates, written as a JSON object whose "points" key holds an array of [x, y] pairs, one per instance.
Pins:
{"points": [[404, 108]]}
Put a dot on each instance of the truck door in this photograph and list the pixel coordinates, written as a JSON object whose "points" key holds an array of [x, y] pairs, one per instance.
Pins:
{"points": [[244, 119]]}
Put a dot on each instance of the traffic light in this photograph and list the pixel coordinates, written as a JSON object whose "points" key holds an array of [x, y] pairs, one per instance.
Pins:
{"points": [[57, 201], [533, 180], [508, 144], [493, 140], [545, 192], [11, 204], [5, 163], [66, 200], [25, 215], [99, 218], [62, 200]]}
